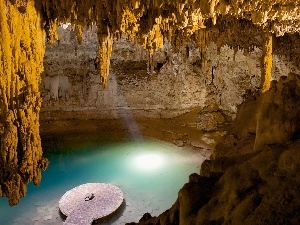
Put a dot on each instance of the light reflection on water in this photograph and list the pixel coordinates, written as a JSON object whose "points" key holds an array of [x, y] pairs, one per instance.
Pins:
{"points": [[149, 173]]}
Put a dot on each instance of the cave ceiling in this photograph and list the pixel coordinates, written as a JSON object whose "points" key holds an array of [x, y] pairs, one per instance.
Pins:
{"points": [[239, 24], [24, 25]]}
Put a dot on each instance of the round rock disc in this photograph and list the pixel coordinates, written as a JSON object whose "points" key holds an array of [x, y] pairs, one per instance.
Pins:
{"points": [[88, 202]]}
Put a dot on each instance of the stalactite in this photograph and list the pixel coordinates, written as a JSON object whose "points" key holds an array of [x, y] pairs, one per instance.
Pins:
{"points": [[149, 22], [51, 30], [21, 53], [267, 61], [150, 64], [105, 43], [79, 30]]}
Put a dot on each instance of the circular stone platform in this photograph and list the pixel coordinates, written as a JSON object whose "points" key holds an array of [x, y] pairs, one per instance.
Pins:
{"points": [[88, 202]]}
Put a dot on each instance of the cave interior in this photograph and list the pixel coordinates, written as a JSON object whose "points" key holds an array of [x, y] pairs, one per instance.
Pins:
{"points": [[224, 68]]}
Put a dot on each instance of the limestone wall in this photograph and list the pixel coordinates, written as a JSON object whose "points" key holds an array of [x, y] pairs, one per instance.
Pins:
{"points": [[207, 78]]}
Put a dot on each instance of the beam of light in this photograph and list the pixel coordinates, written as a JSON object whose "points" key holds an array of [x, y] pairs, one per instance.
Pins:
{"points": [[126, 114]]}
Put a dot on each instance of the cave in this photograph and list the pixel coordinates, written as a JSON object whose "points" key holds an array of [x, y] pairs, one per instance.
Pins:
{"points": [[215, 82]]}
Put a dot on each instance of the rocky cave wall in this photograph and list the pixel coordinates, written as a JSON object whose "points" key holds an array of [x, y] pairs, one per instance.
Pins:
{"points": [[214, 81]]}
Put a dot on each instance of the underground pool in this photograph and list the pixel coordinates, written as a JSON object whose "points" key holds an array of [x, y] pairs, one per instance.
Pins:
{"points": [[150, 173]]}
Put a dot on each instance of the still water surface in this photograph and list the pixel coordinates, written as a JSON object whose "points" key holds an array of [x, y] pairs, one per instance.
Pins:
{"points": [[150, 174]]}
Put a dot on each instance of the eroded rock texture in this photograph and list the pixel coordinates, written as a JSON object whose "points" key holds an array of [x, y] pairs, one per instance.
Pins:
{"points": [[21, 53], [214, 81], [149, 22], [71, 81]]}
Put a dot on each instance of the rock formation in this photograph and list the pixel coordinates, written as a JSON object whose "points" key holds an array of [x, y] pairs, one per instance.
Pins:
{"points": [[217, 81], [148, 22], [21, 52], [272, 26]]}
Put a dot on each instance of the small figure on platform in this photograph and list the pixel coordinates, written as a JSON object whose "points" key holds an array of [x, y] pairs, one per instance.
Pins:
{"points": [[89, 197]]}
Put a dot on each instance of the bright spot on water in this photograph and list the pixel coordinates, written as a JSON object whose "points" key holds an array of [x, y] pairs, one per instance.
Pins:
{"points": [[148, 161]]}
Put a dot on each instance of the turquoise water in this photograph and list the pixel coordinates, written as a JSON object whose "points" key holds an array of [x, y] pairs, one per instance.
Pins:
{"points": [[150, 174]]}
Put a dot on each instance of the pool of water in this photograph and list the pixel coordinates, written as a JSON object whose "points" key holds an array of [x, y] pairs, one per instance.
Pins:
{"points": [[150, 174]]}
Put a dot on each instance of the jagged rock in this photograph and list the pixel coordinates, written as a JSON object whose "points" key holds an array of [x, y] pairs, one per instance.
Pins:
{"points": [[210, 121], [279, 113]]}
